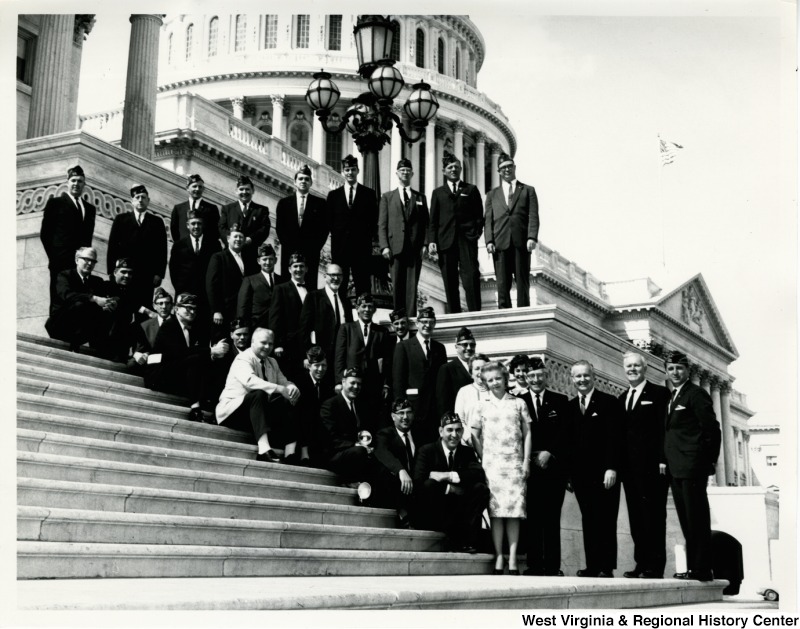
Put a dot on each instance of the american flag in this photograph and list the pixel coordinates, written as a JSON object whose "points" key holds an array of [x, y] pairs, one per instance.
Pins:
{"points": [[668, 151]]}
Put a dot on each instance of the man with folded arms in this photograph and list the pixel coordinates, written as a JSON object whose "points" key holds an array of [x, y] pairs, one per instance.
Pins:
{"points": [[258, 398], [395, 449]]}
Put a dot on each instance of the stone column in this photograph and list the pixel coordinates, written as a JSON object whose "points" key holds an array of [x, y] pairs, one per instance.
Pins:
{"points": [[277, 117], [725, 463], [495, 155], [458, 140], [139, 113], [317, 141], [747, 473], [83, 26], [430, 158], [480, 163], [52, 74], [238, 107], [414, 157], [724, 416], [441, 134]]}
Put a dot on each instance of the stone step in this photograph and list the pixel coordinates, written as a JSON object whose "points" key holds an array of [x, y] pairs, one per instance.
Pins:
{"points": [[45, 347], [74, 525], [34, 492], [54, 374], [47, 405], [455, 593], [35, 356], [283, 485], [65, 560], [99, 449], [63, 392], [105, 431]]}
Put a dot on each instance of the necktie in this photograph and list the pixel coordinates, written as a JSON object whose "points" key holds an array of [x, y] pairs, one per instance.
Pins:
{"points": [[427, 348], [139, 219], [405, 198], [197, 245], [450, 462], [672, 401], [196, 204], [301, 286], [583, 404], [338, 313], [366, 333], [455, 190], [316, 388], [631, 395], [536, 403], [244, 210], [186, 337], [353, 411], [302, 209], [510, 192], [350, 198], [409, 453], [263, 370], [269, 280], [79, 203]]}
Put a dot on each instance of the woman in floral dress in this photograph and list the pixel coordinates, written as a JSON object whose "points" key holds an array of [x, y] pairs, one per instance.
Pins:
{"points": [[501, 437]]}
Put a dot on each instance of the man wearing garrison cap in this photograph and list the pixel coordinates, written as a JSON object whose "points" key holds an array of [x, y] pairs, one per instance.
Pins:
{"points": [[402, 231], [512, 230], [301, 224], [353, 218], [146, 332], [456, 223], [209, 212], [255, 294], [252, 218], [141, 237], [455, 374], [399, 321], [226, 270], [67, 225], [691, 449]]}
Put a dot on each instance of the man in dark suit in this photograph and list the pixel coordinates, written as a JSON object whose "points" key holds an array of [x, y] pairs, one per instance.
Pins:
{"points": [[207, 211], [402, 230], [238, 341], [456, 223], [455, 374], [189, 260], [284, 318], [184, 356], [145, 333], [450, 487], [316, 386], [67, 225], [641, 472], [415, 366], [141, 237], [395, 449], [399, 320], [549, 470], [596, 419], [324, 311], [252, 218], [255, 294], [366, 346], [691, 448], [301, 224], [512, 230], [353, 220], [226, 270], [121, 333]]}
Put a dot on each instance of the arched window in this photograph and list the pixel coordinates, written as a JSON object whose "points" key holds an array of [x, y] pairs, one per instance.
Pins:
{"points": [[333, 150], [271, 32], [213, 36], [334, 32], [395, 52], [241, 33], [299, 132], [440, 55], [265, 123], [458, 63], [302, 31], [169, 48], [189, 38], [420, 49]]}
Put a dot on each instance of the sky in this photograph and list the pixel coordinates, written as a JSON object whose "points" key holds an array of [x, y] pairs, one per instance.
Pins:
{"points": [[588, 88]]}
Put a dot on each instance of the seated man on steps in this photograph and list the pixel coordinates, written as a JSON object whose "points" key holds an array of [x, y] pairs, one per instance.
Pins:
{"points": [[258, 398], [450, 487]]}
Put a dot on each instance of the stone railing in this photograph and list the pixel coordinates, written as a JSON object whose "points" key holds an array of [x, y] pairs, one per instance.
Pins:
{"points": [[106, 125], [566, 269]]}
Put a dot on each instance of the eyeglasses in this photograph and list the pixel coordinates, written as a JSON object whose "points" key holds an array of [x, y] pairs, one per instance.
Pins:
{"points": [[88, 260], [335, 275], [467, 345]]}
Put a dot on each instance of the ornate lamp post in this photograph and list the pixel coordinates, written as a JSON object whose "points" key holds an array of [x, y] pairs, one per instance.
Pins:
{"points": [[370, 117]]}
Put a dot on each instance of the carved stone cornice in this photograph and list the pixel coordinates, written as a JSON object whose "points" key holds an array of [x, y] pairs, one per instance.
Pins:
{"points": [[457, 126], [495, 148], [440, 132], [479, 137], [277, 99], [84, 23]]}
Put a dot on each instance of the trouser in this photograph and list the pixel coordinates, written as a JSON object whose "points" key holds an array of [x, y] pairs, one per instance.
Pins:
{"points": [[458, 516], [516, 262], [646, 498], [265, 414], [406, 269], [461, 260], [691, 503], [545, 498], [599, 507]]}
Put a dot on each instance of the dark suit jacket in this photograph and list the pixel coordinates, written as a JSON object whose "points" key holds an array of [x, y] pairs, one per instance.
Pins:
{"points": [[340, 426], [145, 246], [512, 226], [209, 212], [318, 316], [351, 352], [453, 214], [430, 458], [352, 228], [643, 448], [451, 377], [284, 318], [391, 451], [410, 370], [64, 231], [255, 298], [398, 226], [146, 335], [692, 436], [188, 270], [223, 281], [255, 227], [308, 239], [70, 287], [596, 436], [550, 429]]}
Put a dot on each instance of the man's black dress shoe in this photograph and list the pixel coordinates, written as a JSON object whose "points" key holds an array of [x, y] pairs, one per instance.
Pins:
{"points": [[498, 571], [472, 550], [268, 457], [585, 572], [650, 574], [701, 575], [557, 573], [633, 574], [606, 574], [195, 415], [533, 572]]}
